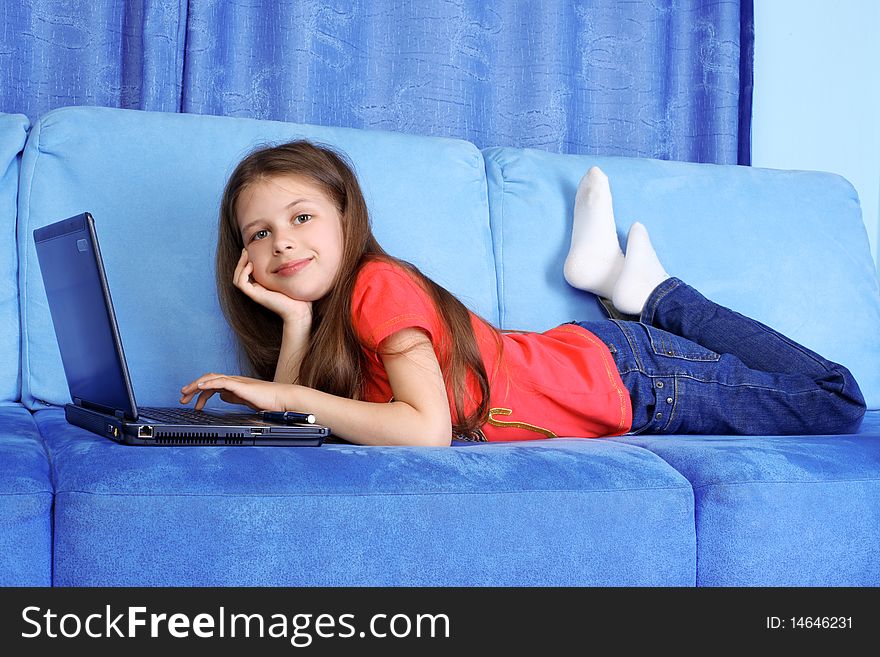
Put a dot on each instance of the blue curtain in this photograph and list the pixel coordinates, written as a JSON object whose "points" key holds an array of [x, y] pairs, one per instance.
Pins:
{"points": [[669, 79]]}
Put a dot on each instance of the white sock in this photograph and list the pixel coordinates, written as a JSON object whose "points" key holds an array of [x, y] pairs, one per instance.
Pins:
{"points": [[641, 273], [594, 260]]}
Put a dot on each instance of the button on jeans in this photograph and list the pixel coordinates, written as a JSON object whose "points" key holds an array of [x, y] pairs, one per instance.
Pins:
{"points": [[693, 366]]}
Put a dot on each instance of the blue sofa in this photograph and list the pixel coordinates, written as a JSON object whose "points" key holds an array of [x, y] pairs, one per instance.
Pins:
{"points": [[788, 248]]}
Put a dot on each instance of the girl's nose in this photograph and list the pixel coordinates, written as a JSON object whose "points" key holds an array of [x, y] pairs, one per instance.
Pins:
{"points": [[283, 243]]}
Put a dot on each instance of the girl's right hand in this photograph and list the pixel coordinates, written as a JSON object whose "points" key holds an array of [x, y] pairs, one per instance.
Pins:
{"points": [[290, 310]]}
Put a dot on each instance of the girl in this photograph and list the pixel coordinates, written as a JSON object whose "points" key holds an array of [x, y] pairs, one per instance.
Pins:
{"points": [[334, 326]]}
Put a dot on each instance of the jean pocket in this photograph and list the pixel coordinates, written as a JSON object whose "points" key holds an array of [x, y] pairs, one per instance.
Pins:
{"points": [[667, 344]]}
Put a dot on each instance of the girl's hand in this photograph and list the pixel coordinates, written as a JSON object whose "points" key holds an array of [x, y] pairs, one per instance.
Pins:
{"points": [[290, 310], [258, 395]]}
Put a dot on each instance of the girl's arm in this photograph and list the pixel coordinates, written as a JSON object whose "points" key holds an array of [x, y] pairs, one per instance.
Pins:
{"points": [[294, 340], [295, 314], [419, 414]]}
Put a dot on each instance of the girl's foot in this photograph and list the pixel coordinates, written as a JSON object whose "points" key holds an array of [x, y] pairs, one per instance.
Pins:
{"points": [[641, 272], [594, 260]]}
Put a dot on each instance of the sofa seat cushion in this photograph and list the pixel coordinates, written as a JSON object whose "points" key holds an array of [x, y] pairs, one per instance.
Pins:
{"points": [[25, 502], [560, 512], [782, 510]]}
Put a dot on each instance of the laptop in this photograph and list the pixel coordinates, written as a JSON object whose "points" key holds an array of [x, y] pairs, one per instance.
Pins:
{"points": [[96, 370]]}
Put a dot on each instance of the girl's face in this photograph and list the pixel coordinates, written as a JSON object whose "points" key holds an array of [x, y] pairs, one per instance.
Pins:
{"points": [[293, 235]]}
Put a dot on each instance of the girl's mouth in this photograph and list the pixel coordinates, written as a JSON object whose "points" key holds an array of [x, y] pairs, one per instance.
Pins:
{"points": [[293, 267]]}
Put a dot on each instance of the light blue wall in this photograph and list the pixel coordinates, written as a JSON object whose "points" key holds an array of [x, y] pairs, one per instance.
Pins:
{"points": [[817, 93]]}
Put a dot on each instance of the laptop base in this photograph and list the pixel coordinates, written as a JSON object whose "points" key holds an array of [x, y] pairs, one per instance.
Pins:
{"points": [[163, 435]]}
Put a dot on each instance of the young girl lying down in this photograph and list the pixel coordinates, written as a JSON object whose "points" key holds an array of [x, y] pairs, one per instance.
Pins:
{"points": [[336, 327]]}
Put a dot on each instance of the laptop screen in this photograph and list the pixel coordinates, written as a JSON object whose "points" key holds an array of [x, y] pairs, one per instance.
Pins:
{"points": [[82, 313]]}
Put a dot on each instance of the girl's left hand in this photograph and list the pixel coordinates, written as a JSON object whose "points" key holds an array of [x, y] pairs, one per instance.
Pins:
{"points": [[258, 395]]}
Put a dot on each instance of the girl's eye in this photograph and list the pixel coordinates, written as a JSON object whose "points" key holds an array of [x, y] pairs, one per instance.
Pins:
{"points": [[298, 219]]}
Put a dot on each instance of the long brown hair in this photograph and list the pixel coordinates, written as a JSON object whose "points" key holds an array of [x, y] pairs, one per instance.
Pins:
{"points": [[334, 360]]}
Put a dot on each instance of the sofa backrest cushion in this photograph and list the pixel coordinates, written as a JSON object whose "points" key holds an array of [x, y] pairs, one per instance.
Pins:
{"points": [[13, 132], [787, 248], [153, 183]]}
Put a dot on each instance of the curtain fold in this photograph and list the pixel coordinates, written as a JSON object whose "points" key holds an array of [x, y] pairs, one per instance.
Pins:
{"points": [[669, 79], [81, 52]]}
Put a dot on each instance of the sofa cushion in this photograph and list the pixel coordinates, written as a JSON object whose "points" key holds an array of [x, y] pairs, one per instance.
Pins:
{"points": [[566, 512], [153, 183], [787, 248], [25, 502], [13, 132], [782, 510]]}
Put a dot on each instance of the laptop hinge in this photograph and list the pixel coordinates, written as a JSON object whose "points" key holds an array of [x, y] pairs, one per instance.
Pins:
{"points": [[120, 415]]}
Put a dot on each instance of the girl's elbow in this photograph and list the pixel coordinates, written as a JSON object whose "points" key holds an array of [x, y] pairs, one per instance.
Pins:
{"points": [[438, 434], [426, 427], [439, 440]]}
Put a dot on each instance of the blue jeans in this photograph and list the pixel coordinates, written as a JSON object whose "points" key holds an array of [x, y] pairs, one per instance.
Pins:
{"points": [[693, 366]]}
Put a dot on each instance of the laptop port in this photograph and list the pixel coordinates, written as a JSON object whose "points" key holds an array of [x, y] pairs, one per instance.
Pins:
{"points": [[145, 432], [256, 431]]}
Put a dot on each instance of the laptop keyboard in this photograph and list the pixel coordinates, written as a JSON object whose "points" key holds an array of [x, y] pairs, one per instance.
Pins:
{"points": [[189, 416]]}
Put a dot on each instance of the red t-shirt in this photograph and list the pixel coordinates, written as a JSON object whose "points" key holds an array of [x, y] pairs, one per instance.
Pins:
{"points": [[562, 382]]}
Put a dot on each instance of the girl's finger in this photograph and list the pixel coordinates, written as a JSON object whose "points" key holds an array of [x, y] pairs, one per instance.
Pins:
{"points": [[207, 389], [221, 384], [211, 379], [204, 396], [187, 398], [243, 282], [241, 260], [218, 382], [194, 385], [186, 394]]}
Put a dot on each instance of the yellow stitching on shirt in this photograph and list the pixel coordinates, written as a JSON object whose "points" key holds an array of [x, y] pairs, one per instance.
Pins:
{"points": [[519, 425]]}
